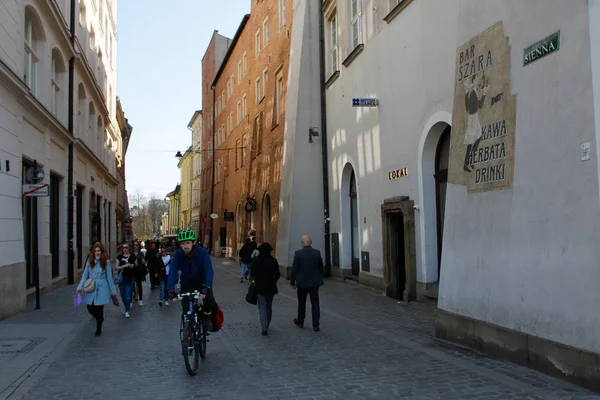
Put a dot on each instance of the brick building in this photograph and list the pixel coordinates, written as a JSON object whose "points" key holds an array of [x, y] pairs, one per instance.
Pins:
{"points": [[211, 61], [249, 114]]}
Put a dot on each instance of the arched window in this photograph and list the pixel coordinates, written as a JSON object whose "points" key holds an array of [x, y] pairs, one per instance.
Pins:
{"points": [[82, 14], [91, 116], [34, 36], [100, 138], [266, 217], [81, 111], [57, 82]]}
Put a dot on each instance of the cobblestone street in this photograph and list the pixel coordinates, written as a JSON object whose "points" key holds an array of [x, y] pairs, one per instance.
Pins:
{"points": [[370, 347]]}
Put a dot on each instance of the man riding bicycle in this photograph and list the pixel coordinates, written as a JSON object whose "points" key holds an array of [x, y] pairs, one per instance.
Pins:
{"points": [[196, 271]]}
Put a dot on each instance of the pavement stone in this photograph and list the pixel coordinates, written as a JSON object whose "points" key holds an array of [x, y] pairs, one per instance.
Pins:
{"points": [[370, 347]]}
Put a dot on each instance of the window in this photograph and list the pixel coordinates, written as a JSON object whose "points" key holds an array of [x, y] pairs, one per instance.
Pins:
{"points": [[223, 132], [278, 98], [238, 154], [239, 112], [333, 42], [356, 22], [281, 14], [244, 105], [245, 62], [244, 145], [240, 71], [265, 31], [58, 70], [229, 124], [92, 39], [257, 42], [264, 82], [257, 88], [31, 47], [82, 14]]}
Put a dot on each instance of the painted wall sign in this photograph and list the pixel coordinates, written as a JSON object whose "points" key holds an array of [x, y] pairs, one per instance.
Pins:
{"points": [[397, 174], [366, 102], [541, 48], [484, 115]]}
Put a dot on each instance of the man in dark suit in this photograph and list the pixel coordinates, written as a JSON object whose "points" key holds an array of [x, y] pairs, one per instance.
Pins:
{"points": [[307, 277]]}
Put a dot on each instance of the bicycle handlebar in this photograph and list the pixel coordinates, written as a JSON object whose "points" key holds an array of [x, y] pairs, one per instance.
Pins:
{"points": [[195, 294]]}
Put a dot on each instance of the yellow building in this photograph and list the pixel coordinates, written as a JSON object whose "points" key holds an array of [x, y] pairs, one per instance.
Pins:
{"points": [[174, 211], [185, 211]]}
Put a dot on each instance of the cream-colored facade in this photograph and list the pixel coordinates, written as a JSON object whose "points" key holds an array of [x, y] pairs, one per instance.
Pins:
{"points": [[174, 207], [73, 142]]}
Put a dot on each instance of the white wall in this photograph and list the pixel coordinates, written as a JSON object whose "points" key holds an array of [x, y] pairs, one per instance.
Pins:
{"points": [[413, 81], [527, 258]]}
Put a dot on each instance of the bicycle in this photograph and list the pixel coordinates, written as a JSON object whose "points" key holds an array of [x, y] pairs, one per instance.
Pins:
{"points": [[193, 331]]}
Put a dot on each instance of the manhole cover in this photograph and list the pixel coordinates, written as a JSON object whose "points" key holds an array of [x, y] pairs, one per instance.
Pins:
{"points": [[11, 346]]}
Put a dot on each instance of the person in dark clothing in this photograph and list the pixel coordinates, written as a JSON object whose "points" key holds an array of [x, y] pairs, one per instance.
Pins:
{"points": [[307, 277], [126, 262], [140, 269], [152, 263], [245, 255], [163, 262], [265, 274]]}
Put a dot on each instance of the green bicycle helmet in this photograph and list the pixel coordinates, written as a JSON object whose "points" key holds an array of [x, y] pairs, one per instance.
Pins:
{"points": [[185, 235]]}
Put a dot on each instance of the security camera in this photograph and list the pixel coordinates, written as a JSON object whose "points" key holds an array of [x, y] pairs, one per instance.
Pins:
{"points": [[416, 207]]}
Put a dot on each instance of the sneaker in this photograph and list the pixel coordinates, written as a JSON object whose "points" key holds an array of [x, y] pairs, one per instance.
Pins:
{"points": [[166, 303], [127, 315], [130, 305], [160, 303], [298, 323], [140, 303], [241, 280]]}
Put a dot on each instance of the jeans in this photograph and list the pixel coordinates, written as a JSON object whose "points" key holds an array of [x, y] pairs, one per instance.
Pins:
{"points": [[245, 269], [314, 301], [126, 289], [163, 289], [265, 310]]}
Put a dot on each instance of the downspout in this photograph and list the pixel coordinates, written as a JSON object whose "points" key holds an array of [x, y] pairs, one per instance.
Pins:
{"points": [[70, 205], [324, 145], [212, 178]]}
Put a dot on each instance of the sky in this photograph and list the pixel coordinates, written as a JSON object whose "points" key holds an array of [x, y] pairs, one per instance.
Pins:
{"points": [[159, 79]]}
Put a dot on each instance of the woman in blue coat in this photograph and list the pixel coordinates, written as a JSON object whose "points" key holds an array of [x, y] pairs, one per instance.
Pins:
{"points": [[99, 269]]}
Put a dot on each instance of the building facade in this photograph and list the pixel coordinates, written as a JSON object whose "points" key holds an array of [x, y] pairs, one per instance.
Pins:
{"points": [[437, 148], [73, 137], [250, 88], [174, 211], [185, 194], [195, 125], [123, 216], [211, 61]]}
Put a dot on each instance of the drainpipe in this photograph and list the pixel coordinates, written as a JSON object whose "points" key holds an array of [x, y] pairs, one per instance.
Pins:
{"points": [[212, 179], [324, 145], [70, 205]]}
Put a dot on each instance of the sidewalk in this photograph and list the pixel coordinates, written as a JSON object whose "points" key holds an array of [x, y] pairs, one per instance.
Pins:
{"points": [[31, 341]]}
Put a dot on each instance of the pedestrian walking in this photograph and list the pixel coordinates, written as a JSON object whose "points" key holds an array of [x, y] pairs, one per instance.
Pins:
{"points": [[163, 262], [152, 255], [140, 271], [126, 277], [306, 278], [245, 256], [265, 274], [97, 284]]}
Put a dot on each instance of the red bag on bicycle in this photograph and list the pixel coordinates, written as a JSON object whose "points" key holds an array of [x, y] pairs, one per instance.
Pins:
{"points": [[219, 319]]}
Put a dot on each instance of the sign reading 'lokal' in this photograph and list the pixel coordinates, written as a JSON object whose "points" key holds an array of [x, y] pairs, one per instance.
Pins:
{"points": [[542, 48]]}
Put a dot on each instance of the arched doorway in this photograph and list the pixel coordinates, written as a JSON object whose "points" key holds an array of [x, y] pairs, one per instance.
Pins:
{"points": [[350, 234], [442, 155], [266, 218]]}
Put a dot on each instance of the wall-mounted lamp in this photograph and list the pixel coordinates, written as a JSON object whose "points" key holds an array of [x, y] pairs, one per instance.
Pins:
{"points": [[312, 131], [178, 155]]}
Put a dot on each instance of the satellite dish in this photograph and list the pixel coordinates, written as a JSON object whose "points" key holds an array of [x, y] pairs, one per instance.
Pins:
{"points": [[214, 216]]}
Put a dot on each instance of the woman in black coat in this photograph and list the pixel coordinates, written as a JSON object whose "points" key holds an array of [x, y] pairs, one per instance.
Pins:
{"points": [[265, 274]]}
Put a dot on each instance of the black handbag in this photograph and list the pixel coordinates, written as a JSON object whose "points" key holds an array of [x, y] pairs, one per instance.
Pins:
{"points": [[251, 296]]}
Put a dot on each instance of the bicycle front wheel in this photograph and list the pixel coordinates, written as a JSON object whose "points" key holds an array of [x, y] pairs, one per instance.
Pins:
{"points": [[190, 352]]}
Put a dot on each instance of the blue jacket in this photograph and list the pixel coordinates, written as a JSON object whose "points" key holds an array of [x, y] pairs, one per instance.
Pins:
{"points": [[104, 285], [200, 273]]}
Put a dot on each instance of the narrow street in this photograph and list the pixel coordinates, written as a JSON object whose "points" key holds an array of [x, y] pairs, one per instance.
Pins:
{"points": [[370, 347]]}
